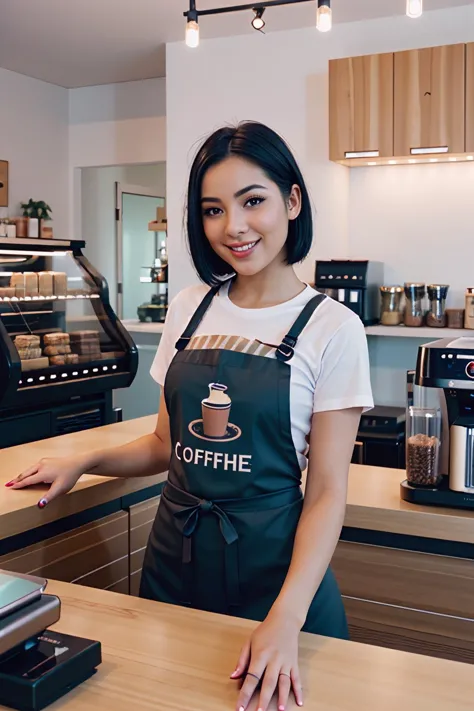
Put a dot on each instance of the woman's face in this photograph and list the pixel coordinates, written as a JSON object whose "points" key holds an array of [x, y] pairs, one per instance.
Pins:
{"points": [[245, 216]]}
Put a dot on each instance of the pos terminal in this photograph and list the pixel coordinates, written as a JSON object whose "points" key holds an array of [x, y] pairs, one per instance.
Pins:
{"points": [[37, 667]]}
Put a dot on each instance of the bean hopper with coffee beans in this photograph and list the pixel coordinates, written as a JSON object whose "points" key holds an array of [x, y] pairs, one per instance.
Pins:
{"points": [[440, 426]]}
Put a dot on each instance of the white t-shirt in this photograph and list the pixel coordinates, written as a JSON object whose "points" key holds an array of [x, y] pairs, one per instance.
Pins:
{"points": [[330, 367]]}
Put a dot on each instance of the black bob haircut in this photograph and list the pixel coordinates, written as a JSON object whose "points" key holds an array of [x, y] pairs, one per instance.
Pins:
{"points": [[264, 148]]}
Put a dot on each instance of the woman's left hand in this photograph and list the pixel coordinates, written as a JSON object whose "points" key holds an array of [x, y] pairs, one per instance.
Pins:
{"points": [[270, 657]]}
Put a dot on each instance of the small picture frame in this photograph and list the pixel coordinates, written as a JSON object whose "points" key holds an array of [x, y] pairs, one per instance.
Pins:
{"points": [[3, 183]]}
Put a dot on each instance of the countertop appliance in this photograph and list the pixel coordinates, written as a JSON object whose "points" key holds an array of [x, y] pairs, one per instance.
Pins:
{"points": [[354, 283], [62, 349], [38, 666], [381, 438], [447, 365]]}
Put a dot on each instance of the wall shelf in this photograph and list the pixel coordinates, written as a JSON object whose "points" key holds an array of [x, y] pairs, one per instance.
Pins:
{"points": [[425, 332]]}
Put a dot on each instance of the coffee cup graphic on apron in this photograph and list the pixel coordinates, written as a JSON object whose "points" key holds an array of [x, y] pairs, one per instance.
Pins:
{"points": [[215, 409]]}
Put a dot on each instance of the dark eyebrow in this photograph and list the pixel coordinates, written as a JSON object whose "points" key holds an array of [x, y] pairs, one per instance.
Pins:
{"points": [[238, 194]]}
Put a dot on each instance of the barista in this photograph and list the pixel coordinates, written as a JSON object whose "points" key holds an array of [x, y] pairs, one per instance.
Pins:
{"points": [[254, 365]]}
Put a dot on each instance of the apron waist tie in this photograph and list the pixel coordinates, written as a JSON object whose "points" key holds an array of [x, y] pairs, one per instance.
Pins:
{"points": [[192, 507]]}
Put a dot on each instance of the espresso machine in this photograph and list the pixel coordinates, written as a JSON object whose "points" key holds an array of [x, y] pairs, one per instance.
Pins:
{"points": [[440, 426], [37, 665]]}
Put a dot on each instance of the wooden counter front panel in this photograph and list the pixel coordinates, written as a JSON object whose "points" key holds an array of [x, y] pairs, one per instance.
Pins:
{"points": [[142, 517], [409, 601], [95, 555], [398, 577]]}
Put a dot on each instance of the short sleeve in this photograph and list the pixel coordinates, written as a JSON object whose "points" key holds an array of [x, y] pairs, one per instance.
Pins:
{"points": [[164, 354], [344, 376]]}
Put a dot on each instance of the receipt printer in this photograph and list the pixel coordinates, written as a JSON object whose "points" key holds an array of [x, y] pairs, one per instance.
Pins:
{"points": [[37, 666]]}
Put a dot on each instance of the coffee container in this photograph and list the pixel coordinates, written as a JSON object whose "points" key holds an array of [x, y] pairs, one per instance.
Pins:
{"points": [[436, 316], [391, 311], [414, 312], [423, 446], [469, 308]]}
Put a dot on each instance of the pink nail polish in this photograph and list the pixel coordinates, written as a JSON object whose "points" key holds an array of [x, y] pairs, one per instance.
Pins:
{"points": [[281, 708], [10, 483]]}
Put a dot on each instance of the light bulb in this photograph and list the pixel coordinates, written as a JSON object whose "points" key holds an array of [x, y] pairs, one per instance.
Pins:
{"points": [[192, 34], [323, 16], [414, 8], [258, 23]]}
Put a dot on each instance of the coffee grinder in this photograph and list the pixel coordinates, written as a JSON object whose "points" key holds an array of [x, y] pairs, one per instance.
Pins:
{"points": [[37, 666], [443, 399]]}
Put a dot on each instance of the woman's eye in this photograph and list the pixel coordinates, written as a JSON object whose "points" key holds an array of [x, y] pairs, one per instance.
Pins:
{"points": [[254, 201], [211, 211]]}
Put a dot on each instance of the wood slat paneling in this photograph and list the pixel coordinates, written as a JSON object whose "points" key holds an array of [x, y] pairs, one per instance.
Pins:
{"points": [[470, 97], [398, 577], [85, 555]]}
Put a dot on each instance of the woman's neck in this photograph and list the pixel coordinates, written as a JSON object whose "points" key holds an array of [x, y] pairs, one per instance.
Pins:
{"points": [[267, 288]]}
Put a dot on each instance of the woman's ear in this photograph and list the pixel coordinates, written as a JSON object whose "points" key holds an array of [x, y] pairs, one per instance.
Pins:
{"points": [[294, 202]]}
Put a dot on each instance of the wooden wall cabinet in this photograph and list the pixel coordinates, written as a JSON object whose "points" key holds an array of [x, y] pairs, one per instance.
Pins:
{"points": [[470, 97], [429, 103], [361, 106]]}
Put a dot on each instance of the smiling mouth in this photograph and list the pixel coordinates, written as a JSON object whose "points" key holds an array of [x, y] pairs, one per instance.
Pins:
{"points": [[241, 249]]}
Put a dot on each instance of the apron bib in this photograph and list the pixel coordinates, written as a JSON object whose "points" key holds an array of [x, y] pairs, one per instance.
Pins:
{"points": [[223, 536]]}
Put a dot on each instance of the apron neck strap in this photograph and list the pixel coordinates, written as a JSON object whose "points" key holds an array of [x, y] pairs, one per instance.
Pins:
{"points": [[286, 349], [196, 318]]}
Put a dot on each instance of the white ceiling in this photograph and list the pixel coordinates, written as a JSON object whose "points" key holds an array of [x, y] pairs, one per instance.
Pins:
{"points": [[85, 42]]}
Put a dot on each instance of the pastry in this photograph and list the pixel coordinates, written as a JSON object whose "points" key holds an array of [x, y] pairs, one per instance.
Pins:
{"points": [[67, 359], [29, 341], [17, 279], [60, 283], [7, 291], [45, 283], [31, 283], [29, 353], [57, 350], [56, 339]]}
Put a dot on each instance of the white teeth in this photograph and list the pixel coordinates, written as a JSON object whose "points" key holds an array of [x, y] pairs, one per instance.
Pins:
{"points": [[245, 248]]}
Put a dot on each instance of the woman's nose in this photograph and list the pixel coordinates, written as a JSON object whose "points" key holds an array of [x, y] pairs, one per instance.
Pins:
{"points": [[236, 223]]}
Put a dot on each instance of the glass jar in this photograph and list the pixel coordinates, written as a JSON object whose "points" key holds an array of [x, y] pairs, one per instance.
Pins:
{"points": [[414, 313], [423, 446], [436, 316], [391, 311], [469, 308]]}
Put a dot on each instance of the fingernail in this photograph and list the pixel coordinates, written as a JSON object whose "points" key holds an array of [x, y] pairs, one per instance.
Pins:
{"points": [[10, 483], [42, 503], [234, 673], [242, 708], [281, 708], [300, 703]]}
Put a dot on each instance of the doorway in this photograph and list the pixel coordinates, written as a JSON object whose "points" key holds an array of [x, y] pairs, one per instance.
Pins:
{"points": [[137, 247]]}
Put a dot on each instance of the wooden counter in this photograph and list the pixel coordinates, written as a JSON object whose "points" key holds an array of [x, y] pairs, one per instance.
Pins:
{"points": [[373, 499], [406, 572], [156, 656]]}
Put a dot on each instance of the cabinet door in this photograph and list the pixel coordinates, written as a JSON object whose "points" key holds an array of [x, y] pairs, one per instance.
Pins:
{"points": [[430, 100], [470, 97], [361, 106]]}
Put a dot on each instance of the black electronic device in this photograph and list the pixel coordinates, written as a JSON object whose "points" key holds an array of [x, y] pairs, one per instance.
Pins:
{"points": [[354, 283], [381, 438]]}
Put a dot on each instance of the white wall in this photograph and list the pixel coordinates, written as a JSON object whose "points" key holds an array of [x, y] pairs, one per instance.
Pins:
{"points": [[114, 124], [34, 139], [415, 218], [98, 211]]}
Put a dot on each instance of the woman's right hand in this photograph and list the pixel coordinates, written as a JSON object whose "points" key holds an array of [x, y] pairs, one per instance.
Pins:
{"points": [[62, 473]]}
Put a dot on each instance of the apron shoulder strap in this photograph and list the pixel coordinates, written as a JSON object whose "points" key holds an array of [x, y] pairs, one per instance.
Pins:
{"points": [[196, 318], [286, 349]]}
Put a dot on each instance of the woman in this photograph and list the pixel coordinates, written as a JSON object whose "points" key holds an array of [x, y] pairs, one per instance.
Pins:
{"points": [[255, 366]]}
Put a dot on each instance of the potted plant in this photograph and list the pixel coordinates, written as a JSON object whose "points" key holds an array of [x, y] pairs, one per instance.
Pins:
{"points": [[37, 212]]}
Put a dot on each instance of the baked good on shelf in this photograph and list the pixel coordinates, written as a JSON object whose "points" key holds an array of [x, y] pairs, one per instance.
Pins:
{"points": [[57, 350], [59, 283], [31, 283], [27, 341], [29, 353], [34, 364], [45, 283], [56, 339]]}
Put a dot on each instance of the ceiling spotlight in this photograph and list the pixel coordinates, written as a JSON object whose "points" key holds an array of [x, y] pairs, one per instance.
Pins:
{"points": [[324, 16], [258, 23], [192, 27], [414, 8]]}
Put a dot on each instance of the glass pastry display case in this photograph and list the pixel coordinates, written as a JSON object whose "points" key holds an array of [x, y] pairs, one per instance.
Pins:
{"points": [[62, 349]]}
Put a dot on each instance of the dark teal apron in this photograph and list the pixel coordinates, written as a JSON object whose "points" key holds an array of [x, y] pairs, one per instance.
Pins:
{"points": [[223, 536]]}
